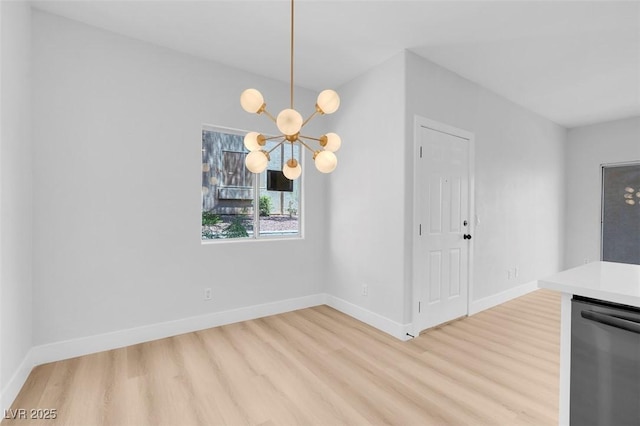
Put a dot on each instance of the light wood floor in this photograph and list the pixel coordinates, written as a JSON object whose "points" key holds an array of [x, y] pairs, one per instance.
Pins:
{"points": [[318, 366]]}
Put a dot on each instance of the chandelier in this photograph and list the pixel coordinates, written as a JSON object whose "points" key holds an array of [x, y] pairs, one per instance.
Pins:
{"points": [[290, 123], [628, 196]]}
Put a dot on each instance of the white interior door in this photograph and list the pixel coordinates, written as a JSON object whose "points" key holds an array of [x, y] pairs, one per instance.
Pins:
{"points": [[442, 216]]}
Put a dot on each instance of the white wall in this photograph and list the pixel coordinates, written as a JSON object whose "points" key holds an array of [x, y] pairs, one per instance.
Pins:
{"points": [[519, 193], [117, 154], [366, 194], [15, 192], [117, 134], [587, 149], [519, 181], [518, 184]]}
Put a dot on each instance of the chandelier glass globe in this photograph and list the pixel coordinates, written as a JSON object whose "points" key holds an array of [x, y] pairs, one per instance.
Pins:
{"points": [[251, 100], [289, 121], [254, 141], [332, 142], [326, 161], [257, 161], [292, 169], [328, 101]]}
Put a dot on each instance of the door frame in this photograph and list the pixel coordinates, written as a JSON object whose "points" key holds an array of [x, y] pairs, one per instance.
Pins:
{"points": [[420, 122]]}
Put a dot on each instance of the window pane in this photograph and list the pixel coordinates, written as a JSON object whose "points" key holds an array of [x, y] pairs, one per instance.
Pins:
{"points": [[279, 210], [621, 214], [227, 187]]}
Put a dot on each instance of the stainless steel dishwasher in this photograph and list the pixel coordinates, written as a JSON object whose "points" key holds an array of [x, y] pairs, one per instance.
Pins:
{"points": [[605, 363]]}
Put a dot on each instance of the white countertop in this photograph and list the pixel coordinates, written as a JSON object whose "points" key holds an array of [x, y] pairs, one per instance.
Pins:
{"points": [[613, 282]]}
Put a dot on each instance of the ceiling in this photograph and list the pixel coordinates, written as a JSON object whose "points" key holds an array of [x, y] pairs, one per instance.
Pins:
{"points": [[573, 62]]}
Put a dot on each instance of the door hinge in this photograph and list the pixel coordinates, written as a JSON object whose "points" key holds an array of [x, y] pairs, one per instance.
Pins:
{"points": [[420, 152], [420, 229], [419, 303]]}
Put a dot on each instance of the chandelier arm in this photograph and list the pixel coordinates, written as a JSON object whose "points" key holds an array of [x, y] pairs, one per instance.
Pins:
{"points": [[275, 147], [305, 145], [273, 137], [268, 114], [309, 118], [309, 137]]}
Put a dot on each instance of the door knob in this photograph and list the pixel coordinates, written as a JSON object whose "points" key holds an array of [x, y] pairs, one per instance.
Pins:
{"points": [[466, 236]]}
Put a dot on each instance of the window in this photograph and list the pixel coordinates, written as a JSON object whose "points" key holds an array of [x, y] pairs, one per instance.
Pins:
{"points": [[237, 204]]}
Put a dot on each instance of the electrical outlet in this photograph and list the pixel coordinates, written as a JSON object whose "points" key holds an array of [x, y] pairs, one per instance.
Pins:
{"points": [[208, 293], [516, 272], [365, 290], [509, 274], [586, 261]]}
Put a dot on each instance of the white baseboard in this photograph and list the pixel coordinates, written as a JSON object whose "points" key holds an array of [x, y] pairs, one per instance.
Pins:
{"points": [[58, 351], [397, 330], [102, 342], [11, 390], [502, 297]]}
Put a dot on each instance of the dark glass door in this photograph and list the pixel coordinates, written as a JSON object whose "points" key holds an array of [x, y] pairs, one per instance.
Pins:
{"points": [[621, 213]]}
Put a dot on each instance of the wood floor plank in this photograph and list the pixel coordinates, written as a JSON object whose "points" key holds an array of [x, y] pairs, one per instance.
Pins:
{"points": [[514, 400], [493, 366], [386, 366], [318, 366], [497, 339], [320, 398], [35, 386], [496, 321], [411, 369]]}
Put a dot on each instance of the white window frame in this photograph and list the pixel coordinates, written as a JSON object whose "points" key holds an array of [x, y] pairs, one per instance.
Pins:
{"points": [[256, 236]]}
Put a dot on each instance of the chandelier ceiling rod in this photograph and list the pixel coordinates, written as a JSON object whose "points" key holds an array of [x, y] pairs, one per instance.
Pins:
{"points": [[291, 82]]}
